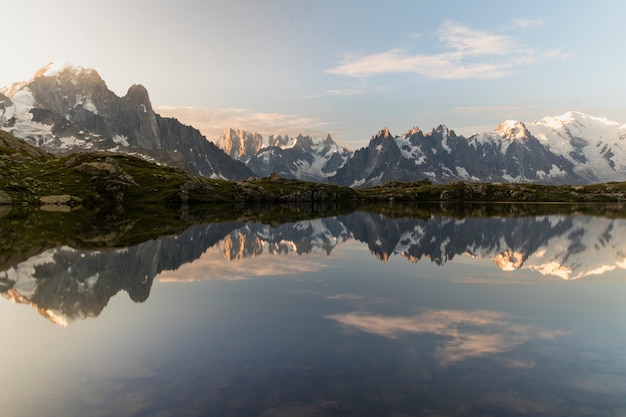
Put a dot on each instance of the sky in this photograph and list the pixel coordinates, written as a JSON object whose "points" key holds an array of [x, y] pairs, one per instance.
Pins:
{"points": [[347, 68]]}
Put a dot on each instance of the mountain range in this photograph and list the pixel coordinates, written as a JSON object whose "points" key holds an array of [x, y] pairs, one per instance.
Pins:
{"points": [[303, 157], [65, 284], [573, 148], [66, 109]]}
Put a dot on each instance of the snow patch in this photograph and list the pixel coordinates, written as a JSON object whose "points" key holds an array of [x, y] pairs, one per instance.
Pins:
{"points": [[121, 140], [24, 127], [410, 152], [70, 142], [87, 104], [462, 173], [54, 68]]}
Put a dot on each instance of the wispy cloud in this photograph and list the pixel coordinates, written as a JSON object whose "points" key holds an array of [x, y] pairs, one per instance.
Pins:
{"points": [[527, 23], [557, 54], [336, 93], [213, 122], [467, 42], [491, 109], [468, 53], [345, 92]]}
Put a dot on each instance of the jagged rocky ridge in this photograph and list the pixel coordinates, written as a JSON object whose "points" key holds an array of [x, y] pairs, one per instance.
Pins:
{"points": [[70, 109], [573, 148], [569, 247], [303, 157]]}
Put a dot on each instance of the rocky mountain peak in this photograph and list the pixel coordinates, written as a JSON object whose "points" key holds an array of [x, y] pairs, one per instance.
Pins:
{"points": [[52, 69], [329, 141], [281, 141], [383, 133], [443, 130], [512, 129], [411, 132], [137, 94], [55, 68], [240, 144], [65, 73]]}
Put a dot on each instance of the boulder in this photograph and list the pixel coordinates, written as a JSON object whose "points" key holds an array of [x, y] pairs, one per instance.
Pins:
{"points": [[4, 198], [62, 199]]}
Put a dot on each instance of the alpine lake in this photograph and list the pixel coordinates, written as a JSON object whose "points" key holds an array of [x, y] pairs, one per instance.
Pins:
{"points": [[422, 310]]}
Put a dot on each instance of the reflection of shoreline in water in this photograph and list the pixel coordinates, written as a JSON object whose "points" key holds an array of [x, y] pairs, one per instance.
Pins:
{"points": [[66, 284]]}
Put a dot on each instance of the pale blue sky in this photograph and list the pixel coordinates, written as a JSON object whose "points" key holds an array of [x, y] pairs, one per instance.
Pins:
{"points": [[348, 68]]}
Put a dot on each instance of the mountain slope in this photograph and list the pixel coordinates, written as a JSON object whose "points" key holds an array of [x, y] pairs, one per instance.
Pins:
{"points": [[70, 109], [596, 145]]}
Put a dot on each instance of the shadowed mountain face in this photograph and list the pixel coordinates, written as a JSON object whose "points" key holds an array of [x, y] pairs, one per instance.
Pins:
{"points": [[442, 156], [66, 284]]}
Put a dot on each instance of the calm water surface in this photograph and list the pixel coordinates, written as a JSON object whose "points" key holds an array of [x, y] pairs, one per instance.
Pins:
{"points": [[357, 315]]}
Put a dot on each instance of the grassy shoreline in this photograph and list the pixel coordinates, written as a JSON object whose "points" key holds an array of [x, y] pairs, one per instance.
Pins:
{"points": [[100, 180]]}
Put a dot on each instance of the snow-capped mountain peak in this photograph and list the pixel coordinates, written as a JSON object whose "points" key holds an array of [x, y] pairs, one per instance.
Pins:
{"points": [[594, 144], [512, 129], [576, 123], [50, 70], [576, 117], [54, 68]]}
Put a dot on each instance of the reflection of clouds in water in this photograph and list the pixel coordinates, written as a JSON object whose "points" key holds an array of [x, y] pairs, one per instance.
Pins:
{"points": [[212, 266], [468, 334], [490, 281]]}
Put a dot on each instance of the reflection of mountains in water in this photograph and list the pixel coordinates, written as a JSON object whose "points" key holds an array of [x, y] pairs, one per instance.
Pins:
{"points": [[65, 284]]}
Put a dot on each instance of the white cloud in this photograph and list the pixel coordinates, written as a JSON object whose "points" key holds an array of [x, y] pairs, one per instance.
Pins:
{"points": [[468, 53], [469, 42], [213, 122], [440, 66]]}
